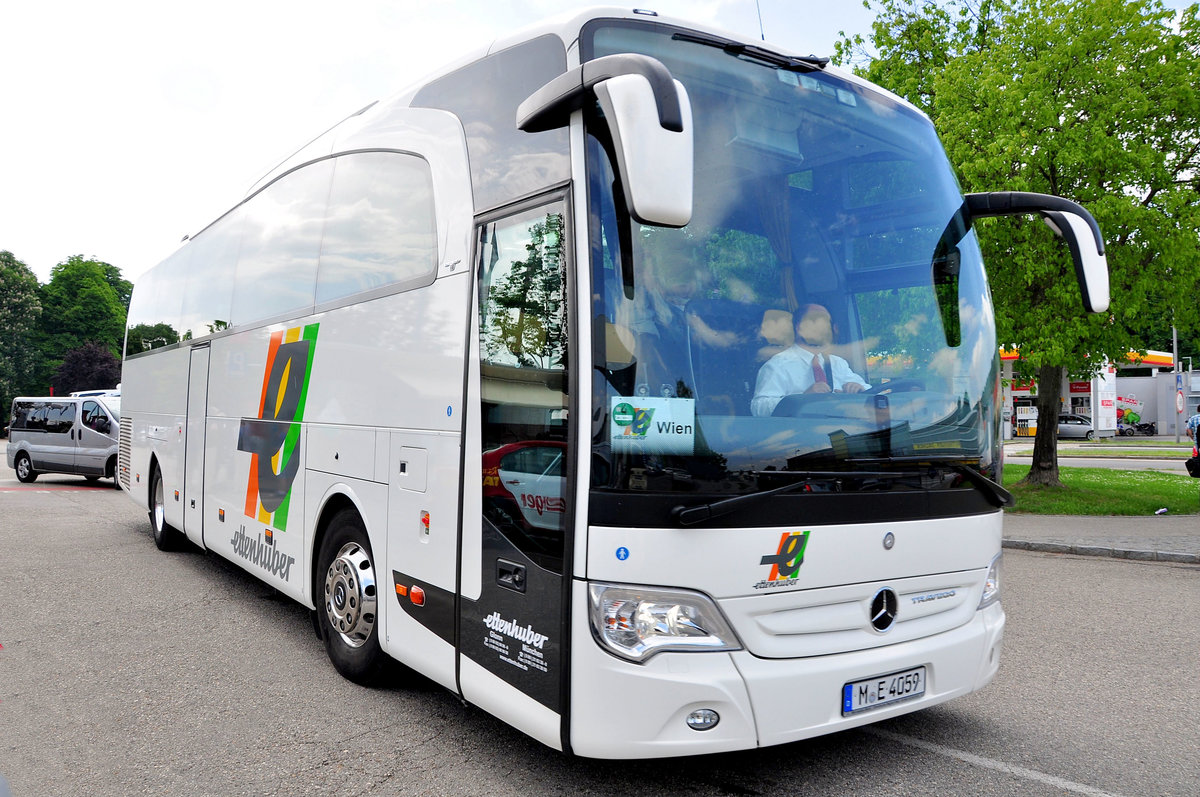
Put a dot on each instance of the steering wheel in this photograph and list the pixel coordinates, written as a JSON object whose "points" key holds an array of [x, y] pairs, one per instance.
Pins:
{"points": [[897, 386]]}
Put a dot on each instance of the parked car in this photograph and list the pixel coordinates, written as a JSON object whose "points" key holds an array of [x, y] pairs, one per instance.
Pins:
{"points": [[1075, 426], [66, 434]]}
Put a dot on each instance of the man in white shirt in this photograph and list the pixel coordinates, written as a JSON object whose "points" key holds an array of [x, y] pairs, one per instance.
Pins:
{"points": [[805, 367]]}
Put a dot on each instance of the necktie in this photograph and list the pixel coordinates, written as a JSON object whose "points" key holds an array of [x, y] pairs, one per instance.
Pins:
{"points": [[818, 371]]}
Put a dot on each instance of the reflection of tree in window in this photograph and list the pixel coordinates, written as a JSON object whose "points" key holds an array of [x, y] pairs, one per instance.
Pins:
{"points": [[144, 337], [744, 267], [903, 346], [527, 325]]}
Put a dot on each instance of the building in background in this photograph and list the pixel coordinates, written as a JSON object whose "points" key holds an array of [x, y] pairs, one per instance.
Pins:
{"points": [[1149, 391]]}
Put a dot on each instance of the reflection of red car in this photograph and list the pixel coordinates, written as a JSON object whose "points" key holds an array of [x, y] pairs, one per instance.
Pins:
{"points": [[528, 477]]}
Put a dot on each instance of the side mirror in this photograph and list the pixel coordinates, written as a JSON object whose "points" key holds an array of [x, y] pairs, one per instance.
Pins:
{"points": [[649, 118], [1071, 222]]}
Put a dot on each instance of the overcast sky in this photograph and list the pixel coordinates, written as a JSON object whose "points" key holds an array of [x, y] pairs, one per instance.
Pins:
{"points": [[127, 124]]}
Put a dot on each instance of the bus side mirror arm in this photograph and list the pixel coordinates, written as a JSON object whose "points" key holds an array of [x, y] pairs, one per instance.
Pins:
{"points": [[1071, 222], [650, 120]]}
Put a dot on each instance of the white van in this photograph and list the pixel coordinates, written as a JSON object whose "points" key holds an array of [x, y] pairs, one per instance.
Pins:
{"points": [[69, 434]]}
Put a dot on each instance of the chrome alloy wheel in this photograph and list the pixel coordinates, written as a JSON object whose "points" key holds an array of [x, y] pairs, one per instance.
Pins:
{"points": [[24, 468], [350, 598], [159, 508]]}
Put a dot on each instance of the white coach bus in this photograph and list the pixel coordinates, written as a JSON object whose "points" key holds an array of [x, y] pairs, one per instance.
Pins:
{"points": [[510, 378]]}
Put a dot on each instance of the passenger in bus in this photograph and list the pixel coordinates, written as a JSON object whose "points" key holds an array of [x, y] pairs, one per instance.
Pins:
{"points": [[808, 366], [666, 330]]}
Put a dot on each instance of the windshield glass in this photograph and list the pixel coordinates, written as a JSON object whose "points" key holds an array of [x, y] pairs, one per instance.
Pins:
{"points": [[827, 304]]}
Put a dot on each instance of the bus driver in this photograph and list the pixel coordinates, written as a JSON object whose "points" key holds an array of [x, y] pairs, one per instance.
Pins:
{"points": [[808, 366]]}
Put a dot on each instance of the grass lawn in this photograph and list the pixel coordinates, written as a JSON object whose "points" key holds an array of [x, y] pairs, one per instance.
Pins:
{"points": [[1100, 491]]}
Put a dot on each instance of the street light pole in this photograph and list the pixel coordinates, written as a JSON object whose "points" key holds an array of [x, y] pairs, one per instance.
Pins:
{"points": [[1175, 361]]}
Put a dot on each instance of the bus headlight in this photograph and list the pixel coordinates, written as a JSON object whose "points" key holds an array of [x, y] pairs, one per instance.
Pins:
{"points": [[991, 585], [636, 623]]}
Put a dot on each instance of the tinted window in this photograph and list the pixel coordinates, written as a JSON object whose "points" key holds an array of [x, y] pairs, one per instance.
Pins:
{"points": [[281, 238], [380, 228], [537, 460], [94, 417], [60, 417], [523, 338], [153, 319], [23, 415], [208, 299], [505, 162]]}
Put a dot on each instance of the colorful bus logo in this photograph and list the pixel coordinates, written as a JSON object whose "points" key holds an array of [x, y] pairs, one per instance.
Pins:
{"points": [[271, 439], [785, 563]]}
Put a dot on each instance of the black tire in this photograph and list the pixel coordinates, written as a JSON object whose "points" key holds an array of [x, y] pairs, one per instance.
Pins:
{"points": [[166, 537], [24, 468], [1091, 435], [347, 596], [110, 472]]}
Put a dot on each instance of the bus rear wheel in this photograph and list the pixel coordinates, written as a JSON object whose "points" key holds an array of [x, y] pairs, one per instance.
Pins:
{"points": [[166, 537], [24, 468], [348, 601]]}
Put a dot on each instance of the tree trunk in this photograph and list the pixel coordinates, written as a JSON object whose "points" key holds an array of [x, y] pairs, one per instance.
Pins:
{"points": [[1044, 470]]}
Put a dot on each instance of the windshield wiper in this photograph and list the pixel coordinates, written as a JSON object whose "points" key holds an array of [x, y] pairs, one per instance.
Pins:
{"points": [[690, 516], [995, 493], [800, 63]]}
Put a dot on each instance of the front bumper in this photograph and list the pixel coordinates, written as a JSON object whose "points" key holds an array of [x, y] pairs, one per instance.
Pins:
{"points": [[625, 710]]}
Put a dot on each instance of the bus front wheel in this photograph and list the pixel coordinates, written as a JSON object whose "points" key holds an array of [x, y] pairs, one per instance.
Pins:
{"points": [[347, 610]]}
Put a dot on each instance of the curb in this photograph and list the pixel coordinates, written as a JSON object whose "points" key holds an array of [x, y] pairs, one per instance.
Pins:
{"points": [[1105, 456], [1100, 550]]}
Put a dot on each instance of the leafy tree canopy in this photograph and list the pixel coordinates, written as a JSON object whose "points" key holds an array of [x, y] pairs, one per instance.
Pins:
{"points": [[84, 301], [1093, 100], [20, 310], [89, 367]]}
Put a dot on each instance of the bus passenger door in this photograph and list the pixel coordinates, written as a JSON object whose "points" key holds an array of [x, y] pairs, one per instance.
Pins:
{"points": [[516, 476], [193, 453]]}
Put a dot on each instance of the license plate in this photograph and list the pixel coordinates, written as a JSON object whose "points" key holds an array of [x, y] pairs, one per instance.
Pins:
{"points": [[882, 690]]}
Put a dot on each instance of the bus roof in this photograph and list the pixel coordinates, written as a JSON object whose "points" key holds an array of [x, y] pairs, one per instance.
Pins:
{"points": [[566, 27]]}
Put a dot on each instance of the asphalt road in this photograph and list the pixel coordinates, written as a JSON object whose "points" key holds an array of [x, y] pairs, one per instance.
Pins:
{"points": [[127, 671]]}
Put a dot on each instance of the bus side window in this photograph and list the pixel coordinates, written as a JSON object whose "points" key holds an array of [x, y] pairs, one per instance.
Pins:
{"points": [[281, 238], [380, 229], [208, 300]]}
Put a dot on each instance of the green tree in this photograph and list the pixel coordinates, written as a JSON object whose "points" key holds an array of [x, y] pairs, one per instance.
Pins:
{"points": [[1093, 100], [20, 310], [81, 305]]}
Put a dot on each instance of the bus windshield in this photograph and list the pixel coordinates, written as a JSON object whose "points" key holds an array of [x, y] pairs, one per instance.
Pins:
{"points": [[825, 311]]}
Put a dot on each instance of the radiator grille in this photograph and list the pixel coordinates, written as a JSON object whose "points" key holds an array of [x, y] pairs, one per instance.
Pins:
{"points": [[123, 451]]}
